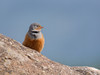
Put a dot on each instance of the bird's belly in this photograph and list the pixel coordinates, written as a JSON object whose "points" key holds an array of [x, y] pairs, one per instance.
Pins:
{"points": [[37, 44]]}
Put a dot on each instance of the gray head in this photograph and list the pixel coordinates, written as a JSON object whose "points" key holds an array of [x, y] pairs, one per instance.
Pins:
{"points": [[34, 31], [35, 27]]}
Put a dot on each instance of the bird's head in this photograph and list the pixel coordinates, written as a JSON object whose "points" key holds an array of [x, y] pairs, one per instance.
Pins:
{"points": [[35, 27]]}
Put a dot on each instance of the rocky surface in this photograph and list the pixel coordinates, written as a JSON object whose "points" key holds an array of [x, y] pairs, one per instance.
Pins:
{"points": [[16, 59]]}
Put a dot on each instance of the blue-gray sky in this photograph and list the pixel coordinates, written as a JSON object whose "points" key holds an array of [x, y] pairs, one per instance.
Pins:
{"points": [[71, 27]]}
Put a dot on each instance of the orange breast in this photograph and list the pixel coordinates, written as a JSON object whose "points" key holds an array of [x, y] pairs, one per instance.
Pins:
{"points": [[36, 44]]}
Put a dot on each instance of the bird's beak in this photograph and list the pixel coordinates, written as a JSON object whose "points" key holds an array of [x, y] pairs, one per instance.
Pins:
{"points": [[41, 27]]}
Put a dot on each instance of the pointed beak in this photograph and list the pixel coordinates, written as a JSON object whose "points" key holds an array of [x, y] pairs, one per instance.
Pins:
{"points": [[41, 27]]}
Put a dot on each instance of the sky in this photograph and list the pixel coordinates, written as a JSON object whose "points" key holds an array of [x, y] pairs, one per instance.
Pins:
{"points": [[71, 27]]}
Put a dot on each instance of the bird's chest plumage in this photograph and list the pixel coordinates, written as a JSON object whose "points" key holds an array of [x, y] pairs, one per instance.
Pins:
{"points": [[36, 44]]}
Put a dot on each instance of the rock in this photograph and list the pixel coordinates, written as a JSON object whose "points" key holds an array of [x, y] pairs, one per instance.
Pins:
{"points": [[16, 59]]}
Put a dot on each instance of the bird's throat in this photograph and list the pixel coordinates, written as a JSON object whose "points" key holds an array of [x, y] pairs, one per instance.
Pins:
{"points": [[35, 34]]}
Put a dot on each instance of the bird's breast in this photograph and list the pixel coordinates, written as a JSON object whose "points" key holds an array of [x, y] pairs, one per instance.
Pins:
{"points": [[36, 44]]}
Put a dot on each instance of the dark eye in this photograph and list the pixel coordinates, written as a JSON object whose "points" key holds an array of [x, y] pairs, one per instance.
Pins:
{"points": [[38, 26]]}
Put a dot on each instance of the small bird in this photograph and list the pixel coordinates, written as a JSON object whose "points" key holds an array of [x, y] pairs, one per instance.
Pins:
{"points": [[34, 38]]}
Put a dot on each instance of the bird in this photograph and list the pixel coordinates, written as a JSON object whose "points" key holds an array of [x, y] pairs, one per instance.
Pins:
{"points": [[34, 38]]}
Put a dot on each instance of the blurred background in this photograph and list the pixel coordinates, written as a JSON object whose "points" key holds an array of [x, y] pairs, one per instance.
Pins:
{"points": [[71, 27]]}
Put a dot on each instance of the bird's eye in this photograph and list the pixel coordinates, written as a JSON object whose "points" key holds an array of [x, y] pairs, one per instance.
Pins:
{"points": [[38, 26]]}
